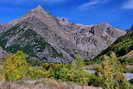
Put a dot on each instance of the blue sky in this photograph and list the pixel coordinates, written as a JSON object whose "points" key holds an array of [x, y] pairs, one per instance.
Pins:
{"points": [[119, 13]]}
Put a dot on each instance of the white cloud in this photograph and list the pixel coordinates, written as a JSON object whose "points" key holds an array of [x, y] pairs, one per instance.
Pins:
{"points": [[88, 4], [91, 3], [128, 4]]}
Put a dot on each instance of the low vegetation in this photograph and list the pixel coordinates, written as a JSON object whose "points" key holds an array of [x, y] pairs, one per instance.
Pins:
{"points": [[71, 72], [109, 73]]}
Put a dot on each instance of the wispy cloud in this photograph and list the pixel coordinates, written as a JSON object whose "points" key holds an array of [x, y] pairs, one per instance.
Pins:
{"points": [[91, 3], [128, 4], [88, 4]]}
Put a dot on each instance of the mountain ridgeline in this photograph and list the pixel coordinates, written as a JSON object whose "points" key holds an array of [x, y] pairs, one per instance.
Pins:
{"points": [[122, 46], [44, 37]]}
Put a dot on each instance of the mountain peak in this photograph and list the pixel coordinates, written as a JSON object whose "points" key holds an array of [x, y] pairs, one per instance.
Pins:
{"points": [[39, 7], [38, 11]]}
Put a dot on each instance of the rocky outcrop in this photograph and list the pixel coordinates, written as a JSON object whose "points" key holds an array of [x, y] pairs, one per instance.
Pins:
{"points": [[91, 38], [1, 27], [42, 36]]}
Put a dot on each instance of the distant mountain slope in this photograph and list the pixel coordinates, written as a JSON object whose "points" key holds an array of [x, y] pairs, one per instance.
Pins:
{"points": [[122, 46], [53, 39], [2, 53]]}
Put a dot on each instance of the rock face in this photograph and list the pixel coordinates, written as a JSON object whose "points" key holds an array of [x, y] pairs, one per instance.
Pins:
{"points": [[42, 36], [91, 40]]}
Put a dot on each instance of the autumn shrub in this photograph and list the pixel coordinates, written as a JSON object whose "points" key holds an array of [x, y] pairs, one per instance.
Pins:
{"points": [[1, 73], [16, 68], [110, 73]]}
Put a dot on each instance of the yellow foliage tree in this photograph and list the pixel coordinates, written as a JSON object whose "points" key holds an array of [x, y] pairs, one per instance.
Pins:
{"points": [[15, 66], [111, 73]]}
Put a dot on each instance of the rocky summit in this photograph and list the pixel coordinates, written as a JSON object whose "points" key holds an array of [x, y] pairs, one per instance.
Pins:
{"points": [[52, 39]]}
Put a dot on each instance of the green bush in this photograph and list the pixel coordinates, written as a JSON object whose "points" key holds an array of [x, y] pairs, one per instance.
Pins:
{"points": [[71, 72], [126, 60], [36, 73]]}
